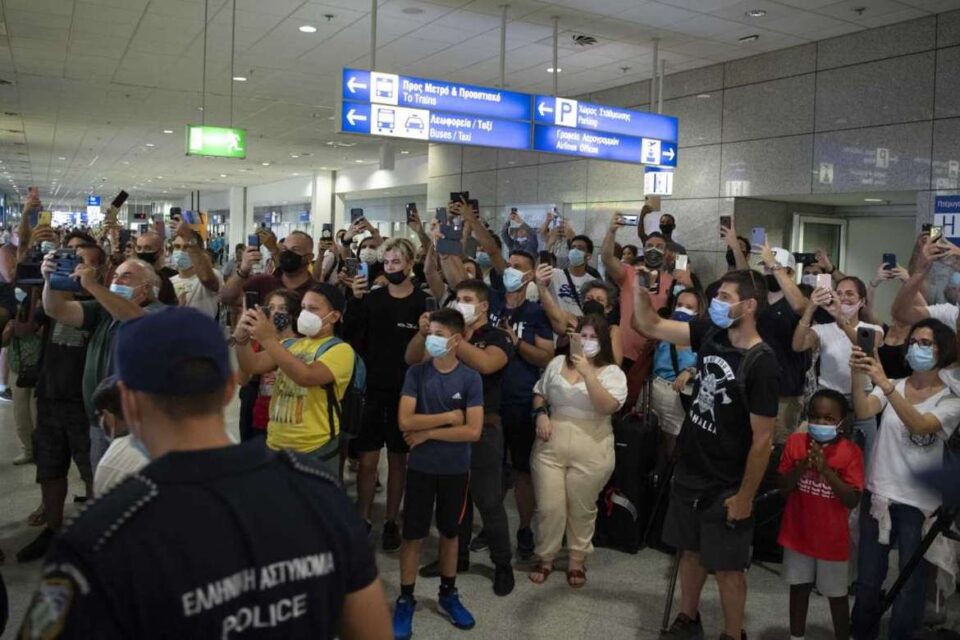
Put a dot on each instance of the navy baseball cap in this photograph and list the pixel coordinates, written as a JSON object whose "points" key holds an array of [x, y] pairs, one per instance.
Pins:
{"points": [[150, 351]]}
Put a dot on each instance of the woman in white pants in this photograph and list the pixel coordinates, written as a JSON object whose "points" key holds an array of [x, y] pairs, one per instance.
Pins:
{"points": [[573, 455]]}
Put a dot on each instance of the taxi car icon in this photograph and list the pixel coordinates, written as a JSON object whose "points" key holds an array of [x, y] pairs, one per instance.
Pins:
{"points": [[414, 123]]}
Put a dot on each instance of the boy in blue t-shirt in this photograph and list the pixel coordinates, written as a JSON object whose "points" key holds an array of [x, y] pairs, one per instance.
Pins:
{"points": [[440, 414]]}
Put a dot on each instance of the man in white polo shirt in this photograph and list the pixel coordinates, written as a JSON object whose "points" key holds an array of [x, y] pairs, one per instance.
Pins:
{"points": [[197, 284]]}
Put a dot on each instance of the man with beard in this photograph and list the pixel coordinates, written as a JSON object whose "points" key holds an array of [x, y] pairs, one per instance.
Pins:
{"points": [[149, 248], [776, 324]]}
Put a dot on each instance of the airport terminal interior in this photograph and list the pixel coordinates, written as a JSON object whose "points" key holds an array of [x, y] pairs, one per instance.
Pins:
{"points": [[830, 128]]}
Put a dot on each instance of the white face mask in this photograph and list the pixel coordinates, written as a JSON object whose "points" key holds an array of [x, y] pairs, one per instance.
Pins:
{"points": [[368, 255], [309, 323], [591, 346], [469, 311]]}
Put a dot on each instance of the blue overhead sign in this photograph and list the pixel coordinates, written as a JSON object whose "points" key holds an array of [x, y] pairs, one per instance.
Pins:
{"points": [[93, 201], [385, 104], [946, 215]]}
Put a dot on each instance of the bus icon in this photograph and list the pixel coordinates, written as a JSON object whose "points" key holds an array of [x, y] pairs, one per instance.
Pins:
{"points": [[386, 119], [384, 87]]}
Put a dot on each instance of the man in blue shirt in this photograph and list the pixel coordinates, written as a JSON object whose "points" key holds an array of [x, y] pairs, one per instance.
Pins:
{"points": [[440, 414]]}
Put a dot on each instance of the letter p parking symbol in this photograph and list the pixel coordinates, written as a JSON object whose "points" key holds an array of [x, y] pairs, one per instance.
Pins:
{"points": [[566, 115]]}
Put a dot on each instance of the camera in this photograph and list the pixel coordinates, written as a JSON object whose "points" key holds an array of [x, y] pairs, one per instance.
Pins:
{"points": [[61, 280]]}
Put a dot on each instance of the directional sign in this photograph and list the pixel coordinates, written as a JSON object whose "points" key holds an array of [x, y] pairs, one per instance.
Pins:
{"points": [[422, 124], [597, 117], [216, 141], [407, 91], [946, 215], [93, 201], [657, 181], [603, 146]]}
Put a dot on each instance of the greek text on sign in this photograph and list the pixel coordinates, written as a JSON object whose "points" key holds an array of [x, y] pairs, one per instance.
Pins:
{"points": [[603, 146], [565, 112]]}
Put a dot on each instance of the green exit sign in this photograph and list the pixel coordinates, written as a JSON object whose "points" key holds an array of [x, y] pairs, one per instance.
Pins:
{"points": [[221, 142]]}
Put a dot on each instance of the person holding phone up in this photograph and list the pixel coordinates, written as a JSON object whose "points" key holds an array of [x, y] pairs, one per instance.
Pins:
{"points": [[910, 306], [918, 415], [197, 284]]}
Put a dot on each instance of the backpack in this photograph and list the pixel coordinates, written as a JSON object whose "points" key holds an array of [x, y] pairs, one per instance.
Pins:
{"points": [[349, 410]]}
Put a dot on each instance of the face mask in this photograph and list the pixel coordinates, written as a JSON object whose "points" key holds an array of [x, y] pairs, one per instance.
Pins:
{"points": [[149, 257], [955, 279], [181, 260], [592, 307], [309, 324], [467, 310], [122, 290], [849, 310], [822, 432], [395, 277], [678, 289], [483, 259], [773, 285], [653, 257], [290, 262], [591, 347], [281, 320], [20, 294], [368, 255], [576, 257], [47, 246], [437, 346], [720, 313], [920, 358], [667, 229], [514, 224], [809, 279], [137, 444], [683, 314], [512, 279]]}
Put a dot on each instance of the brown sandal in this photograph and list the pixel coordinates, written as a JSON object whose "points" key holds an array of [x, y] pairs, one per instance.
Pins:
{"points": [[541, 570], [577, 574]]}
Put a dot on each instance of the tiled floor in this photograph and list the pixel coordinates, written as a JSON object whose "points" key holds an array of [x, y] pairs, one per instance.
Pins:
{"points": [[624, 597]]}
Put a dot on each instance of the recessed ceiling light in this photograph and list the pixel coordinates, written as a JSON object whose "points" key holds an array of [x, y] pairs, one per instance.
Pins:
{"points": [[150, 144], [293, 155], [873, 199], [294, 174], [308, 28], [755, 13], [359, 161], [239, 79], [223, 175], [324, 168], [266, 164], [159, 177], [550, 69], [168, 130], [751, 38], [703, 96], [412, 11], [404, 152]]}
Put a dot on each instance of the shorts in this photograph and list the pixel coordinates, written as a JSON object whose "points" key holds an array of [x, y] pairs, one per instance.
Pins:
{"points": [[788, 418], [380, 426], [519, 434], [830, 576], [427, 494], [665, 403], [62, 433], [703, 528]]}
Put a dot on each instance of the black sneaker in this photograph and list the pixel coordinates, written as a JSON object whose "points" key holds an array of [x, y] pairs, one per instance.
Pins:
{"points": [[432, 570], [479, 542], [503, 581], [390, 537], [6, 395], [525, 544], [684, 628], [38, 548]]}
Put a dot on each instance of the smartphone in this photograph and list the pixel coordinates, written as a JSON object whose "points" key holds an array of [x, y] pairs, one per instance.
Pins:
{"points": [[681, 263], [356, 214], [190, 217], [726, 222], [936, 233], [805, 258], [866, 339], [45, 217], [442, 215], [889, 261], [120, 199], [411, 211], [430, 305], [654, 282], [250, 299], [824, 281], [576, 345], [653, 202], [456, 196], [326, 232], [253, 241], [758, 238], [175, 213], [630, 220], [363, 270], [513, 209], [351, 265], [926, 227]]}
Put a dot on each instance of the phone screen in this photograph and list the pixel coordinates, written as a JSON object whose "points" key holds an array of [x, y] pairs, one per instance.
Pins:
{"points": [[889, 260], [576, 346], [935, 233], [430, 305], [824, 281], [758, 238], [250, 299], [351, 267], [120, 199], [726, 222], [253, 241], [355, 214], [630, 220], [681, 263]]}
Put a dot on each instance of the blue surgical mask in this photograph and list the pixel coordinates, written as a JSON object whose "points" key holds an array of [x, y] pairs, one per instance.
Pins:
{"points": [[512, 279], [720, 313], [822, 432], [181, 260], [437, 346], [920, 358], [122, 290], [955, 279], [683, 314], [20, 294], [576, 257], [678, 289], [483, 259]]}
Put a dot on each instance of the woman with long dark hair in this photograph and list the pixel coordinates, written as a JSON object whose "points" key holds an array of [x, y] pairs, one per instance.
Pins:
{"points": [[573, 455]]}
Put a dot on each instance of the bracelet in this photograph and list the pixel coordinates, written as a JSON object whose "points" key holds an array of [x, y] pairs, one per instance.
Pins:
{"points": [[538, 411]]}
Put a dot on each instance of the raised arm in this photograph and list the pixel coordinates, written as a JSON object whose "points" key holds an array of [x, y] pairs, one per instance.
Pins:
{"points": [[231, 293], [431, 271], [603, 401], [729, 235], [905, 307], [795, 297], [641, 226], [199, 257], [560, 319], [484, 237], [805, 338], [417, 347], [613, 266], [57, 304], [646, 320], [118, 307]]}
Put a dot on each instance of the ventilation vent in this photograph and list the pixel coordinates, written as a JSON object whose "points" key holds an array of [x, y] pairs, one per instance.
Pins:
{"points": [[583, 40]]}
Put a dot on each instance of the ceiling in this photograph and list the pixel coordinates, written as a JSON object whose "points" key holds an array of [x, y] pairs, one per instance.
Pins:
{"points": [[94, 84], [863, 199]]}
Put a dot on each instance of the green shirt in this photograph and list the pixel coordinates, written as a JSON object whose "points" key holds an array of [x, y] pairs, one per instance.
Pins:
{"points": [[24, 352]]}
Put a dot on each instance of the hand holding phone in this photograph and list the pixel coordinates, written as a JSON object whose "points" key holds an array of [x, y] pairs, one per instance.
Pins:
{"points": [[576, 345], [758, 238], [653, 202], [726, 222], [866, 340], [681, 263], [250, 300], [824, 281]]}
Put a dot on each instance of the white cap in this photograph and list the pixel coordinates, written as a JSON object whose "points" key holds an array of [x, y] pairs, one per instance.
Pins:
{"points": [[785, 258]]}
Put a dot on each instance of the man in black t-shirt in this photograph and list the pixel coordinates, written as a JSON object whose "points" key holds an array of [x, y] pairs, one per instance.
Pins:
{"points": [[488, 350], [211, 539], [724, 446]]}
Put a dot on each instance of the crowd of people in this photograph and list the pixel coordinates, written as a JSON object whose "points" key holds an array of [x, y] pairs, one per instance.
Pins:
{"points": [[480, 359]]}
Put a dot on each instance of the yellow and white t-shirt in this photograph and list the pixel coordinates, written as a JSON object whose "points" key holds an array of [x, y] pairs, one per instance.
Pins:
{"points": [[298, 416]]}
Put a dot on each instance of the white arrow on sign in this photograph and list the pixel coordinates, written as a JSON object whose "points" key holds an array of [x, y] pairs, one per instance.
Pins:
{"points": [[353, 117], [669, 154], [353, 84], [544, 109]]}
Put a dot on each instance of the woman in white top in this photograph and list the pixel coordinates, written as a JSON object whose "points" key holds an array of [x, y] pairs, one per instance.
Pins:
{"points": [[847, 306], [918, 415], [573, 455]]}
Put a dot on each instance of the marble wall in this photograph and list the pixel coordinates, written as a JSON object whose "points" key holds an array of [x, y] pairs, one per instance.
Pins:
{"points": [[873, 111]]}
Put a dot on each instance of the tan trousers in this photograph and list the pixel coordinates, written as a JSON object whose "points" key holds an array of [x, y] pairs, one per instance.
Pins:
{"points": [[568, 472], [24, 414]]}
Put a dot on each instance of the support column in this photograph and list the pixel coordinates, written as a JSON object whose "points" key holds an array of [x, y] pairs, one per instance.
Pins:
{"points": [[239, 223]]}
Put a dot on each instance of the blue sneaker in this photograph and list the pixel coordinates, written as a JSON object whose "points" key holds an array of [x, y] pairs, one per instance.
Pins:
{"points": [[403, 618], [458, 614]]}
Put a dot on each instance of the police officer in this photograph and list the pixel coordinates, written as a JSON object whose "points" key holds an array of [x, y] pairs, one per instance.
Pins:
{"points": [[211, 539]]}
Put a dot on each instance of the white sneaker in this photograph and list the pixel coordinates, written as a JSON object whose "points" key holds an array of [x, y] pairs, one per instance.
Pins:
{"points": [[23, 459]]}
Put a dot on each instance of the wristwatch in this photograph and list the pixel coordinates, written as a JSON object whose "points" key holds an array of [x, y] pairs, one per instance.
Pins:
{"points": [[537, 411]]}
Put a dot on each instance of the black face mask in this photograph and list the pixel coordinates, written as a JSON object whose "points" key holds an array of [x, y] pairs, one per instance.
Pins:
{"points": [[150, 257], [396, 277], [592, 307], [653, 258], [773, 285], [281, 320], [289, 261], [667, 229]]}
